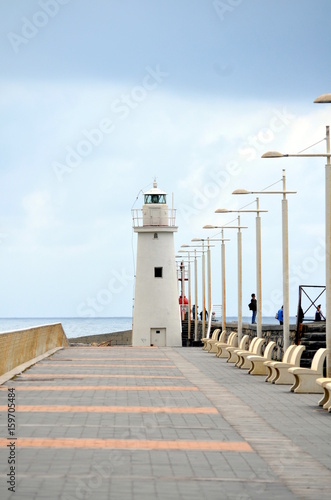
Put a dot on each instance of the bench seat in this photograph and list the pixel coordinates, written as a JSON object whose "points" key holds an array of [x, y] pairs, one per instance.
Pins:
{"points": [[325, 383], [243, 363], [279, 370], [220, 337], [232, 356], [231, 342], [238, 351], [204, 340], [305, 378], [257, 362]]}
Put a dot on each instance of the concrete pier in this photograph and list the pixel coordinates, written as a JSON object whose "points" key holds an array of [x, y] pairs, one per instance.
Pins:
{"points": [[160, 423]]}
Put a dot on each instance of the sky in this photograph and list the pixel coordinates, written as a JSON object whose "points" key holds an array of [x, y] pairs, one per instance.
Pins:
{"points": [[99, 97]]}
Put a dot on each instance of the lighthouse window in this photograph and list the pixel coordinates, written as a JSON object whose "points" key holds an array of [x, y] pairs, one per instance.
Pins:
{"points": [[158, 271], [155, 198], [156, 236]]}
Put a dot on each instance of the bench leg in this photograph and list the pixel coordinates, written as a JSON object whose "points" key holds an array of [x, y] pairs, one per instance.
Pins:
{"points": [[306, 384], [257, 368], [327, 403], [246, 365], [239, 362], [233, 358], [283, 377], [325, 397], [269, 374]]}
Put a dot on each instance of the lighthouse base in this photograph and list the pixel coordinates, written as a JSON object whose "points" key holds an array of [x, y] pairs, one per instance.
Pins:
{"points": [[145, 335]]}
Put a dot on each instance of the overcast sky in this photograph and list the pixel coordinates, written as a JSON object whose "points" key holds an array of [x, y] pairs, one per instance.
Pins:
{"points": [[98, 97]]}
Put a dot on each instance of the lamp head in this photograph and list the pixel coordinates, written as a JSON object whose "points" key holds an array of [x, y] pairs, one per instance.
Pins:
{"points": [[241, 191], [322, 99], [272, 154], [197, 239], [209, 226], [222, 211]]}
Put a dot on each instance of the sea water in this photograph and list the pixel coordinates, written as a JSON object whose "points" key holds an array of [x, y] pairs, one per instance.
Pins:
{"points": [[73, 327], [82, 327]]}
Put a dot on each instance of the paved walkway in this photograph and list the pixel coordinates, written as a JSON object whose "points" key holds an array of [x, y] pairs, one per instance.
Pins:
{"points": [[159, 423]]}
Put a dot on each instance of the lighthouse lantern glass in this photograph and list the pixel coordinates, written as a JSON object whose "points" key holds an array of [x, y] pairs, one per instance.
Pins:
{"points": [[155, 199]]}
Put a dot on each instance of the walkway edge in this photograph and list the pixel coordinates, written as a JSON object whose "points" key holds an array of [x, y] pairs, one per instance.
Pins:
{"points": [[21, 368]]}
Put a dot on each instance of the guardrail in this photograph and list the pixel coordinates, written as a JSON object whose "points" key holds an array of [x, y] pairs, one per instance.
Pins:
{"points": [[21, 346], [139, 220]]}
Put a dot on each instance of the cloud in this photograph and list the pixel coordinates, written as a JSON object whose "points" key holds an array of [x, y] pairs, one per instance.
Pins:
{"points": [[38, 210], [198, 147]]}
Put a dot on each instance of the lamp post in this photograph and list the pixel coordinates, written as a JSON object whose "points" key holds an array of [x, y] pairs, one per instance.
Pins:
{"points": [[326, 99], [275, 154], [239, 259], [204, 280], [208, 269], [203, 290], [286, 305], [195, 290], [223, 279], [182, 277], [189, 293], [258, 259]]}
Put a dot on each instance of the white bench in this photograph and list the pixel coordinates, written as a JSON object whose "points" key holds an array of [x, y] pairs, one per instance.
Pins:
{"points": [[243, 364], [305, 378], [325, 383], [328, 387], [205, 339], [231, 342], [250, 347], [232, 356], [278, 370], [257, 362], [211, 343]]}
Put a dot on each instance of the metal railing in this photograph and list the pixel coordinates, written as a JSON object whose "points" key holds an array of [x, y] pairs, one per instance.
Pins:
{"points": [[138, 219]]}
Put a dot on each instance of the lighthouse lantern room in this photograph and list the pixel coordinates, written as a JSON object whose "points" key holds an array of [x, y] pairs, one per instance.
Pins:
{"points": [[156, 316]]}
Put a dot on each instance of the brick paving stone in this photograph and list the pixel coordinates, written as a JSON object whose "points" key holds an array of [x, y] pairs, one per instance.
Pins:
{"points": [[289, 455]]}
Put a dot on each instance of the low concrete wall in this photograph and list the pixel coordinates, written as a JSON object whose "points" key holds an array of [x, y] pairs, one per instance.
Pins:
{"points": [[18, 347], [115, 338]]}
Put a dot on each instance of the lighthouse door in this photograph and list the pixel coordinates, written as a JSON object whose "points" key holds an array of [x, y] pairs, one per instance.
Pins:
{"points": [[158, 337]]}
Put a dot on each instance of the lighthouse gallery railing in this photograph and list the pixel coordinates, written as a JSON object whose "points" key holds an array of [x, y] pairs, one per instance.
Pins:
{"points": [[139, 221]]}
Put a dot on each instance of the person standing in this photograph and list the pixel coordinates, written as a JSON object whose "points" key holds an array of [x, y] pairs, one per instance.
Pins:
{"points": [[319, 316], [280, 315], [253, 307]]}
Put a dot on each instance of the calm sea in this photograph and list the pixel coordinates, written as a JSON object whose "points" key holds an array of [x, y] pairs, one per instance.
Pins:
{"points": [[73, 327], [79, 327]]}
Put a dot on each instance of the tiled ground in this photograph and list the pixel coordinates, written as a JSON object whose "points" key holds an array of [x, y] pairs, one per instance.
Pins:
{"points": [[148, 423]]}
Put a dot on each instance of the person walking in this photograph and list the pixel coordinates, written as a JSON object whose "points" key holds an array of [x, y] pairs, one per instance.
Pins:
{"points": [[253, 307]]}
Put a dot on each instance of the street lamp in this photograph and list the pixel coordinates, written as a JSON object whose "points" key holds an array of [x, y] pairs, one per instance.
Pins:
{"points": [[258, 259], [204, 280], [223, 280], [195, 289], [239, 246], [189, 293], [326, 98], [182, 292], [286, 305]]}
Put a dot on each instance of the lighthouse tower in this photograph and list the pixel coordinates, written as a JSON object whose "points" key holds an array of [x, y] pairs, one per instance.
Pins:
{"points": [[156, 316]]}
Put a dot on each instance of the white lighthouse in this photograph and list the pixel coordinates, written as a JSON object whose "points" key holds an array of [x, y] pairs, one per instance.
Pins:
{"points": [[156, 316]]}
